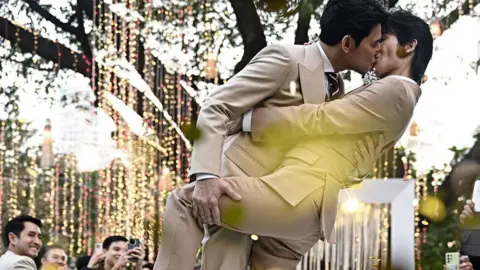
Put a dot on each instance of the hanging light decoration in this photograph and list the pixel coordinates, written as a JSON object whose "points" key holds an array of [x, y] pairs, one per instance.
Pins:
{"points": [[436, 28], [47, 159], [414, 129], [211, 71]]}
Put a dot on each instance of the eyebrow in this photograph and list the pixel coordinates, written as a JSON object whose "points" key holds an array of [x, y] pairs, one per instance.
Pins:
{"points": [[39, 234]]}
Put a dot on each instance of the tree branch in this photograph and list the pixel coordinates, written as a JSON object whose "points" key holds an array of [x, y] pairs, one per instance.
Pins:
{"points": [[23, 63], [63, 56], [82, 37], [48, 16], [453, 16], [250, 28]]}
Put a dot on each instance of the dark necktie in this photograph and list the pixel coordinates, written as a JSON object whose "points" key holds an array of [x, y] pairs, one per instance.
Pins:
{"points": [[333, 85]]}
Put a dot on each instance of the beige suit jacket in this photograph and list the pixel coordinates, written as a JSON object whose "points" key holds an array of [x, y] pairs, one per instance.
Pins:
{"points": [[12, 261], [265, 82], [327, 136]]}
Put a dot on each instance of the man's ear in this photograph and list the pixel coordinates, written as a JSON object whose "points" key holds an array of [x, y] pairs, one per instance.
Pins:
{"points": [[347, 43], [12, 237], [411, 46], [404, 51]]}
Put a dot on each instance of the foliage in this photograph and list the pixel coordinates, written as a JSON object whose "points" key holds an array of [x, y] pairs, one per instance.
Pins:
{"points": [[436, 237]]}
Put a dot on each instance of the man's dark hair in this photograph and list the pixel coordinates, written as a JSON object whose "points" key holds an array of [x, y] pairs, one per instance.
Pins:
{"points": [[355, 18], [111, 239], [407, 27], [48, 248], [16, 225]]}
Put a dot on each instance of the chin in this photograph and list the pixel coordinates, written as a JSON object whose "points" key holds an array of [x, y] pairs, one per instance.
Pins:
{"points": [[33, 254], [379, 72]]}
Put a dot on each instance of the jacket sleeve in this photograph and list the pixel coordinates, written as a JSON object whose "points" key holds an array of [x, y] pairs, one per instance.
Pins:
{"points": [[261, 78], [369, 110], [25, 264]]}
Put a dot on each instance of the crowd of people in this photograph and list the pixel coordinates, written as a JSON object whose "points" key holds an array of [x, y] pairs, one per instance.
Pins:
{"points": [[22, 238]]}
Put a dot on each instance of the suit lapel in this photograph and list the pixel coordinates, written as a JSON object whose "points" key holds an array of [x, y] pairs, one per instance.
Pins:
{"points": [[312, 76]]}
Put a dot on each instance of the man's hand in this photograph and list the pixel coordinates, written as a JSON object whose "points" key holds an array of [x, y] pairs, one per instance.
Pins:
{"points": [[138, 254], [467, 213], [205, 199], [124, 260], [95, 260], [465, 263], [367, 156]]}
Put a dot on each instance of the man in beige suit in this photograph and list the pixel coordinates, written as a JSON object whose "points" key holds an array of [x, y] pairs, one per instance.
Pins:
{"points": [[280, 75], [22, 237], [297, 202]]}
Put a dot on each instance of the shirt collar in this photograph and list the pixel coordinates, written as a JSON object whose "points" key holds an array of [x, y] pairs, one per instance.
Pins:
{"points": [[403, 78], [327, 66]]}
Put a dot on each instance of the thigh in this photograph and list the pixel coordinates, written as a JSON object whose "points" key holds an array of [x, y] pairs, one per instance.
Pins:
{"points": [[274, 253], [261, 211]]}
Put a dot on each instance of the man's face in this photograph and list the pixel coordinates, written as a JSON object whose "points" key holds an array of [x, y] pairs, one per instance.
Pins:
{"points": [[56, 256], [362, 57], [114, 252], [388, 59], [29, 242]]}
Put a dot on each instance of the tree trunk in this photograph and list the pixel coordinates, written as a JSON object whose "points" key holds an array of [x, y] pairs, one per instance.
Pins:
{"points": [[391, 3], [251, 30], [460, 181]]}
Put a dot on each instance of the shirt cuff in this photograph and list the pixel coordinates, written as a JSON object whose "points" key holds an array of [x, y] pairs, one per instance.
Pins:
{"points": [[205, 176], [247, 121]]}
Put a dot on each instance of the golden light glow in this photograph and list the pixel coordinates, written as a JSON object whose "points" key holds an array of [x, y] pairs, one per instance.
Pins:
{"points": [[351, 206], [436, 29]]}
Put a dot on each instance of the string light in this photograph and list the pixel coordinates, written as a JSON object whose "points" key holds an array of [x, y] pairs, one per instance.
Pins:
{"points": [[64, 193], [2, 160], [71, 216], [124, 199], [81, 215], [32, 188]]}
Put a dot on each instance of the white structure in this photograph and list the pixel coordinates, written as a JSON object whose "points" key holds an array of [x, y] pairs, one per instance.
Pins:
{"points": [[375, 225]]}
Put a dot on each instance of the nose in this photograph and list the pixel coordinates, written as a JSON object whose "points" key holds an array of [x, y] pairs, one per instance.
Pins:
{"points": [[38, 242]]}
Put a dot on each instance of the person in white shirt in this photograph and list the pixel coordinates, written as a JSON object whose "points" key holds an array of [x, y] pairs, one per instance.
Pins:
{"points": [[23, 238]]}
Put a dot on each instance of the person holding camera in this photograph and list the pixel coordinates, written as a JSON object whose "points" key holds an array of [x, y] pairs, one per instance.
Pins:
{"points": [[117, 254]]}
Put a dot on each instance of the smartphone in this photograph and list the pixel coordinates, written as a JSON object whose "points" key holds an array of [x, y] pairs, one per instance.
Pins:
{"points": [[132, 244], [452, 260], [476, 196], [98, 248]]}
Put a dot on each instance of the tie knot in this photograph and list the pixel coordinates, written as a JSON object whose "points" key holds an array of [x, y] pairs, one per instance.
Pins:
{"points": [[333, 85]]}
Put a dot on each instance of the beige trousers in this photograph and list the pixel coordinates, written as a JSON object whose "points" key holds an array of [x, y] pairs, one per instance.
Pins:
{"points": [[261, 212]]}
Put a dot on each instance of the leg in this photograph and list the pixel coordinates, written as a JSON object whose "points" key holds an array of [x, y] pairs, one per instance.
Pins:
{"points": [[272, 253], [261, 211], [226, 249], [181, 236]]}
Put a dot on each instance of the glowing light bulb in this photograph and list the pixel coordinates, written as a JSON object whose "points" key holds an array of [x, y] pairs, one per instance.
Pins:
{"points": [[351, 206]]}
